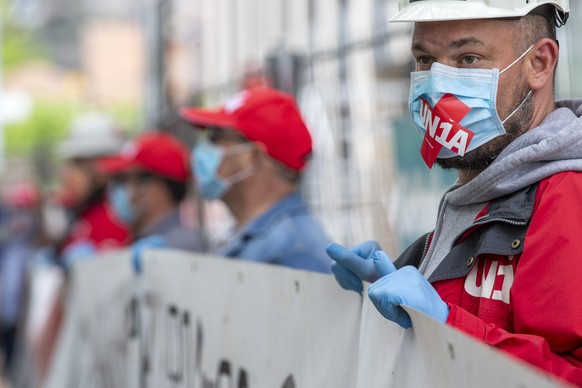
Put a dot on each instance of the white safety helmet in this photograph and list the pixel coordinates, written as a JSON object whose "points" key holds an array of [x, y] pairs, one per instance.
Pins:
{"points": [[91, 135], [441, 10]]}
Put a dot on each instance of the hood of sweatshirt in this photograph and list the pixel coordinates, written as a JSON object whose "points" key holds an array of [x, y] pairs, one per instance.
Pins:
{"points": [[552, 147]]}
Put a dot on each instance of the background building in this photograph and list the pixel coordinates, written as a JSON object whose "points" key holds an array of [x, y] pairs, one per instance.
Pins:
{"points": [[348, 67]]}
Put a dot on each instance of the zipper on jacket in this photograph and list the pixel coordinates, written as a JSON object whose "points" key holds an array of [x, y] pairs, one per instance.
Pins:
{"points": [[425, 250], [483, 221]]}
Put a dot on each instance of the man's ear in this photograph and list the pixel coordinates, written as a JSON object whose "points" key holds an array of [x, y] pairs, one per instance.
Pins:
{"points": [[261, 150], [542, 64]]}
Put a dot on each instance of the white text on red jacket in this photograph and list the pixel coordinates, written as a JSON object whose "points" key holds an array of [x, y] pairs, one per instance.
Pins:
{"points": [[492, 283]]}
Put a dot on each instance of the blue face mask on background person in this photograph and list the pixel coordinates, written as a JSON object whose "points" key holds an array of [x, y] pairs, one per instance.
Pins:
{"points": [[447, 101], [206, 160], [121, 204]]}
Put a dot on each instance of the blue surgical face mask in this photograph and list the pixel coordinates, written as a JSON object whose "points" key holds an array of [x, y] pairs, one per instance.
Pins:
{"points": [[121, 204], [457, 107], [206, 160]]}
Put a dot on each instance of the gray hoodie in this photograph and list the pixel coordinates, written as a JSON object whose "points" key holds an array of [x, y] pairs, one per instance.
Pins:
{"points": [[552, 147]]}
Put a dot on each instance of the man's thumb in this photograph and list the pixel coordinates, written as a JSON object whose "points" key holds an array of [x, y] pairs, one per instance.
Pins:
{"points": [[383, 264]]}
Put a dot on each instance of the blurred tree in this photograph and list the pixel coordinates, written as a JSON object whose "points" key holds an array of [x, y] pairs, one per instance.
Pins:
{"points": [[19, 43], [48, 124]]}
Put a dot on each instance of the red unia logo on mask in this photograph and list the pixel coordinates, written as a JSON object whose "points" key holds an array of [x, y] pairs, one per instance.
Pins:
{"points": [[441, 123]]}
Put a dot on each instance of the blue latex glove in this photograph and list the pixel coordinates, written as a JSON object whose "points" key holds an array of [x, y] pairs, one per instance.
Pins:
{"points": [[138, 247], [404, 287], [80, 250], [354, 265]]}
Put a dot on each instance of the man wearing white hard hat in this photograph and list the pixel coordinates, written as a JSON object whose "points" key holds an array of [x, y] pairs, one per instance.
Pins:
{"points": [[503, 263], [93, 226]]}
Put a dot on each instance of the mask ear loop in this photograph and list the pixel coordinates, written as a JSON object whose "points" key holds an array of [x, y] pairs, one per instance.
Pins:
{"points": [[245, 172], [518, 108], [240, 176], [517, 60], [528, 94], [237, 149]]}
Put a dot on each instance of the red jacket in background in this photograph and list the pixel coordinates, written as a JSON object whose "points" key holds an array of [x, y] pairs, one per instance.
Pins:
{"points": [[97, 227]]}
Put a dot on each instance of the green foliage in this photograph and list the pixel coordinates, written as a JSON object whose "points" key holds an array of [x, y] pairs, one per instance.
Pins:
{"points": [[18, 47], [50, 121], [47, 125], [18, 43], [128, 117]]}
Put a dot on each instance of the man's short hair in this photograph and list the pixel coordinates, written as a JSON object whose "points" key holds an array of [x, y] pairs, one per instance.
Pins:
{"points": [[287, 174], [536, 26]]}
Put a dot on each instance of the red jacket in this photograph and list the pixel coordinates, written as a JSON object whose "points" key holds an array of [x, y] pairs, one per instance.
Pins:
{"points": [[97, 226], [514, 280]]}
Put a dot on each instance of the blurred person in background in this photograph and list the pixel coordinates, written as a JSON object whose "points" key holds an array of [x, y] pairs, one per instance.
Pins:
{"points": [[94, 227], [149, 181], [21, 239], [250, 154], [254, 76]]}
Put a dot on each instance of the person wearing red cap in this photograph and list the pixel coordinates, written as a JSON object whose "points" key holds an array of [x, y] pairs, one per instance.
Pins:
{"points": [[250, 154], [149, 181]]}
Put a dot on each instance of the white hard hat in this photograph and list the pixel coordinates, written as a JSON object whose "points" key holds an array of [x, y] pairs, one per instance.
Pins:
{"points": [[91, 135], [441, 10]]}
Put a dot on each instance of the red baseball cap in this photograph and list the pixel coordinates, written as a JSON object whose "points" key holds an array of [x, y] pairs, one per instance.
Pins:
{"points": [[155, 152], [262, 115]]}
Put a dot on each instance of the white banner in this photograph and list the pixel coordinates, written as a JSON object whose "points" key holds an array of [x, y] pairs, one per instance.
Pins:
{"points": [[210, 322], [98, 341], [434, 355], [223, 323]]}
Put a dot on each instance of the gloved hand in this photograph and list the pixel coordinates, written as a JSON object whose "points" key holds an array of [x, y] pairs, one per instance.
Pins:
{"points": [[138, 247], [351, 266], [80, 250], [404, 287]]}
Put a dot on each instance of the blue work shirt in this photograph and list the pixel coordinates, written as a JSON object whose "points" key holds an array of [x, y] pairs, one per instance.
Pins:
{"points": [[175, 234], [286, 234]]}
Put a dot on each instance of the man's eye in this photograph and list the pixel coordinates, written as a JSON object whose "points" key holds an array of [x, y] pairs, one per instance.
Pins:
{"points": [[469, 60], [424, 62]]}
